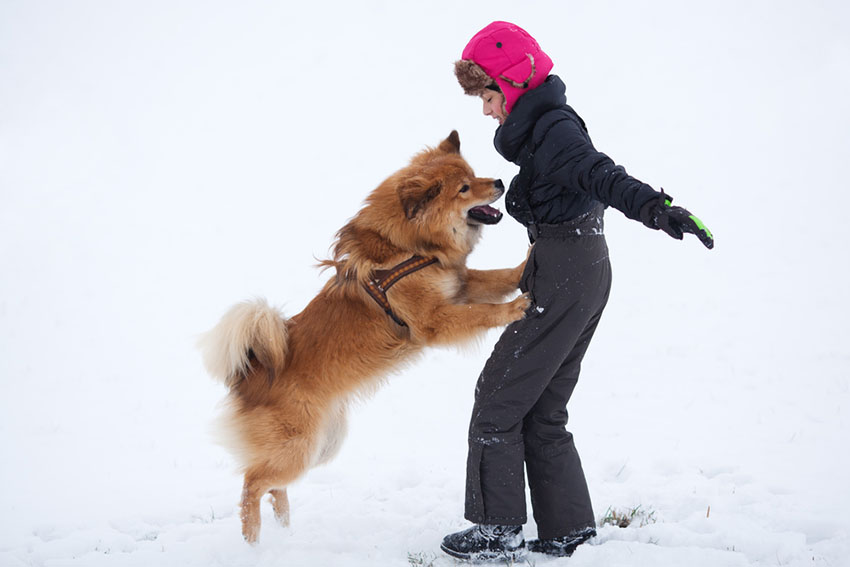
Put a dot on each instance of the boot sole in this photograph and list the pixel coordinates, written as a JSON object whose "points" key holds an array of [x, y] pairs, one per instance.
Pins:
{"points": [[487, 556], [534, 547]]}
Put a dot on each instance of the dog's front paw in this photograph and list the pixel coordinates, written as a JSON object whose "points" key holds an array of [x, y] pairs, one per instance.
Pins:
{"points": [[518, 307]]}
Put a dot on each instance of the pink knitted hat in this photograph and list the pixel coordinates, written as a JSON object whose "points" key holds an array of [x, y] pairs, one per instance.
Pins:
{"points": [[506, 54]]}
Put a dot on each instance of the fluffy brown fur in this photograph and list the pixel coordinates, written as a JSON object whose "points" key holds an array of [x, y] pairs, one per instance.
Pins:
{"points": [[475, 81], [472, 78], [291, 379]]}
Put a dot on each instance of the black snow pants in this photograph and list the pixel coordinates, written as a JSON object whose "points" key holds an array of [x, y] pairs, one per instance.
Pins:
{"points": [[520, 411]]}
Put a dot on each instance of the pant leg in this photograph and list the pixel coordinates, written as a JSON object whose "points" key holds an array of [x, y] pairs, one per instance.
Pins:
{"points": [[568, 281], [559, 495]]}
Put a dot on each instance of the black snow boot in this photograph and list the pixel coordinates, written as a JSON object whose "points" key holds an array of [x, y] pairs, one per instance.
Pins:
{"points": [[561, 546], [484, 542]]}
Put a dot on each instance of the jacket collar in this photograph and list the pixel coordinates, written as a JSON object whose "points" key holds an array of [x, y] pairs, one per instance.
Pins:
{"points": [[519, 124]]}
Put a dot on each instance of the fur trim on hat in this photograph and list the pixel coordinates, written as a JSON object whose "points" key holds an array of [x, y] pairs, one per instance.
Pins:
{"points": [[472, 77]]}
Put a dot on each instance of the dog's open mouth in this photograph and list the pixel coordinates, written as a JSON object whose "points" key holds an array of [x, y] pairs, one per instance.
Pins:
{"points": [[485, 214]]}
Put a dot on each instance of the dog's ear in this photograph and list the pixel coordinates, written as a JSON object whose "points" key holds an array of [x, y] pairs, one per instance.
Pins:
{"points": [[415, 193], [451, 145]]}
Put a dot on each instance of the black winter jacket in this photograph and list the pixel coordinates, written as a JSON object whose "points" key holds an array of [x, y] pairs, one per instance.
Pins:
{"points": [[561, 174]]}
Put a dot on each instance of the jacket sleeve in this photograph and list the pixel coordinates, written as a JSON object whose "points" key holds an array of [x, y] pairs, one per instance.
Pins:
{"points": [[566, 157]]}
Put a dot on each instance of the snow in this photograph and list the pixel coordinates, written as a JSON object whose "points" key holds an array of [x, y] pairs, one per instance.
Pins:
{"points": [[161, 161]]}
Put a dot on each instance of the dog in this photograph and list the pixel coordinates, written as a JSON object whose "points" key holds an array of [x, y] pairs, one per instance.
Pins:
{"points": [[401, 284]]}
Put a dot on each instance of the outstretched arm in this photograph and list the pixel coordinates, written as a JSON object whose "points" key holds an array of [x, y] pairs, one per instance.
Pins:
{"points": [[574, 162]]}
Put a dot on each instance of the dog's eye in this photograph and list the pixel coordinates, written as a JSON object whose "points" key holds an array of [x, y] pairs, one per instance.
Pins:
{"points": [[464, 189]]}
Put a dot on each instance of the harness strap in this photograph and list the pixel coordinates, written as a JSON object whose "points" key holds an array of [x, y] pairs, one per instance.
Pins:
{"points": [[382, 280]]}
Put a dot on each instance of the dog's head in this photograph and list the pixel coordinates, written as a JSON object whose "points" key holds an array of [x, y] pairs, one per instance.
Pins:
{"points": [[433, 207], [440, 195]]}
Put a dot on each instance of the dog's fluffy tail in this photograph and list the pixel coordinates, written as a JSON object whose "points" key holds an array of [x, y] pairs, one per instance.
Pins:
{"points": [[249, 327]]}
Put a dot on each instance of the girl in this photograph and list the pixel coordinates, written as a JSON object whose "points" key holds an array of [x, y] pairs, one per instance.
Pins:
{"points": [[560, 193]]}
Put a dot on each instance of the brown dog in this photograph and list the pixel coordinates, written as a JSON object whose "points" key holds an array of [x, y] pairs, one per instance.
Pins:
{"points": [[401, 284]]}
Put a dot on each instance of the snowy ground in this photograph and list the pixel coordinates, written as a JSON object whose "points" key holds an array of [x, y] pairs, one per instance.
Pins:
{"points": [[160, 161]]}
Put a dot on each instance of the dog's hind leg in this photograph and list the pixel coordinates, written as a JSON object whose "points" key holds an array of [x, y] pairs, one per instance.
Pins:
{"points": [[280, 503], [258, 482], [284, 466], [256, 485]]}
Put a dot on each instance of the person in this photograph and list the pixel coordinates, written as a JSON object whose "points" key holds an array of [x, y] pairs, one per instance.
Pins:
{"points": [[519, 415]]}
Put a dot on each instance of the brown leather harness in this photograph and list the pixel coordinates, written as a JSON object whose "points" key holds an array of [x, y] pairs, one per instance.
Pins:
{"points": [[382, 280]]}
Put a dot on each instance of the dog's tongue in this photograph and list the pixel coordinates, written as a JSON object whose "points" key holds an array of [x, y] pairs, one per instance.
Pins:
{"points": [[488, 210], [485, 214]]}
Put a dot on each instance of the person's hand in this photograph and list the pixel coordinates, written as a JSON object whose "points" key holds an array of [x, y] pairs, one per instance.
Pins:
{"points": [[658, 214]]}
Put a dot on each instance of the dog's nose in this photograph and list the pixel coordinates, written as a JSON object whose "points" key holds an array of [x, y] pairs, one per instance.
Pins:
{"points": [[498, 184]]}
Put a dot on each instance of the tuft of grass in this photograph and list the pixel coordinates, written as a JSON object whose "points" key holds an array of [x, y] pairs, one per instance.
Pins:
{"points": [[625, 517], [421, 559]]}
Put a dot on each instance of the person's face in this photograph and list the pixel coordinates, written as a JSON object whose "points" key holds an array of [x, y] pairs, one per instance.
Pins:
{"points": [[493, 105]]}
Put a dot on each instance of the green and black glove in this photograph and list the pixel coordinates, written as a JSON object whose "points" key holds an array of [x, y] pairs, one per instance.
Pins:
{"points": [[675, 221]]}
